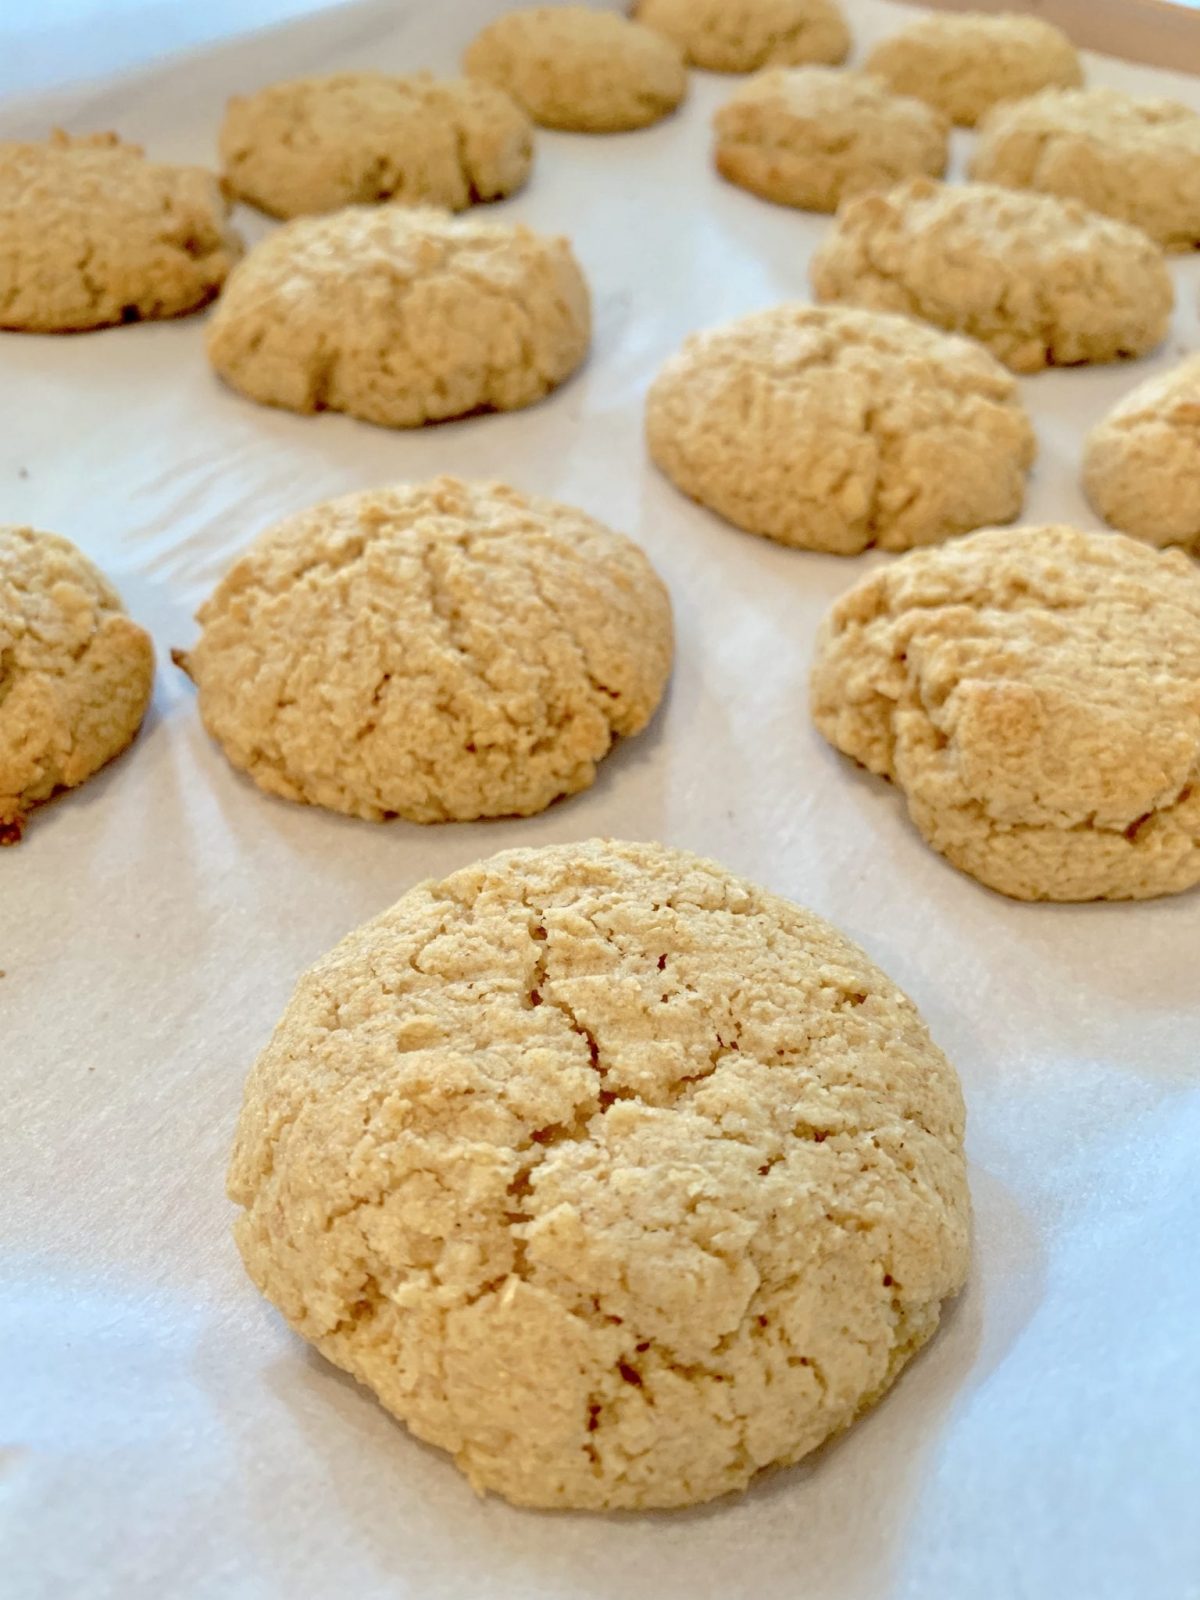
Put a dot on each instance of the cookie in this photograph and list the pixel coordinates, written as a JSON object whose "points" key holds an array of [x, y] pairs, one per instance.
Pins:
{"points": [[1141, 464], [812, 136], [581, 70], [964, 64], [1040, 281], [75, 672], [612, 1174], [836, 430], [91, 233], [315, 144], [401, 317], [439, 652], [1138, 160], [1035, 694], [747, 35]]}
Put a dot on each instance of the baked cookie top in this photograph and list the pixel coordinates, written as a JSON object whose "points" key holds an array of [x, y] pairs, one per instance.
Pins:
{"points": [[91, 233], [1039, 280], [75, 672], [746, 35], [611, 1173], [813, 136], [1141, 463], [836, 429], [1138, 160], [1035, 693], [314, 144], [439, 652], [401, 316], [581, 70], [965, 63]]}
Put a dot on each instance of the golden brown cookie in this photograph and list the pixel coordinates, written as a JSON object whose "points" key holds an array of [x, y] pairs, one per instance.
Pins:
{"points": [[747, 35], [612, 1174], [812, 137], [1040, 281], [1035, 694], [401, 317], [835, 430], [75, 672], [1138, 160], [965, 63], [439, 652], [581, 70], [314, 144], [1141, 464], [91, 233]]}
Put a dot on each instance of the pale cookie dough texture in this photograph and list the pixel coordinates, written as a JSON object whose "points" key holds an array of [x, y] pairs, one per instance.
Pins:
{"points": [[747, 35], [75, 672], [91, 234], [813, 136], [315, 144], [835, 430], [439, 652], [610, 1173], [1141, 464], [1035, 694], [401, 316], [964, 64], [1138, 160], [1040, 281], [581, 70]]}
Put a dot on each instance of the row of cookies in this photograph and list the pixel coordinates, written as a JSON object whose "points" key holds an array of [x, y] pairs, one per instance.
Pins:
{"points": [[452, 651], [106, 238], [490, 316]]}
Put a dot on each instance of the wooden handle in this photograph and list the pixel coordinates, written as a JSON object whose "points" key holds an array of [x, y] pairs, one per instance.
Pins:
{"points": [[1160, 33]]}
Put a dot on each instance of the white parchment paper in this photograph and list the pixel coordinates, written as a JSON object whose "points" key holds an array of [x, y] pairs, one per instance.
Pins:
{"points": [[161, 1433]]}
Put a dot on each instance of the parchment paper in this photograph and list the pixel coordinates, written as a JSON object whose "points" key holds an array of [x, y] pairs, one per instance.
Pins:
{"points": [[163, 1434]]}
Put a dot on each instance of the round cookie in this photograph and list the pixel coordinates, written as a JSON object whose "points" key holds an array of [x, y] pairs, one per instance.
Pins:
{"points": [[315, 144], [401, 317], [439, 652], [1040, 281], [747, 35], [75, 672], [813, 136], [1138, 160], [582, 70], [835, 430], [1141, 464], [966, 63], [618, 1178], [1035, 693], [91, 234]]}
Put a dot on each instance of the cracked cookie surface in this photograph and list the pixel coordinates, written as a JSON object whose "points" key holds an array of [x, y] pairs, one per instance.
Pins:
{"points": [[75, 672], [1035, 694], [966, 64], [439, 652], [91, 234], [314, 144], [1141, 463], [1040, 281], [834, 429], [746, 35], [401, 316], [1138, 160], [612, 1174], [580, 70], [812, 136]]}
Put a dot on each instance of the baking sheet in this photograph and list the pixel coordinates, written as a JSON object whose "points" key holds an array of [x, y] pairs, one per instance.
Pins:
{"points": [[161, 1433]]}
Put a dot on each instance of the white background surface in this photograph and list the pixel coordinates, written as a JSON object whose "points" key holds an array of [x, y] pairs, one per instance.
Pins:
{"points": [[161, 1433]]}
